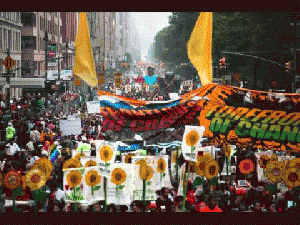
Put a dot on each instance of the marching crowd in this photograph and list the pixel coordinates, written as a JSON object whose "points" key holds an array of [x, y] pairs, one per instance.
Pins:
{"points": [[30, 131]]}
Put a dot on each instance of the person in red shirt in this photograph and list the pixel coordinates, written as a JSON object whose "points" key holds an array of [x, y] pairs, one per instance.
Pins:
{"points": [[212, 206], [200, 203]]}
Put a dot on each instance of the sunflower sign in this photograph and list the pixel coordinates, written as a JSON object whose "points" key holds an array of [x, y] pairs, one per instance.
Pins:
{"points": [[263, 158], [74, 185], [191, 140], [162, 176], [93, 184], [144, 172], [120, 184], [105, 158]]}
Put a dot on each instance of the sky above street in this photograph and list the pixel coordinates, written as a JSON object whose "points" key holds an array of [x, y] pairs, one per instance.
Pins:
{"points": [[148, 24]]}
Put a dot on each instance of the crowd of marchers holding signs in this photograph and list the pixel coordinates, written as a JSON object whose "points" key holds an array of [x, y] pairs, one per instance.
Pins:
{"points": [[32, 133]]}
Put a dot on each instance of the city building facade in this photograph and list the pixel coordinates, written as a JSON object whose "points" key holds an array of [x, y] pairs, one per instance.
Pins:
{"points": [[10, 38], [35, 26]]}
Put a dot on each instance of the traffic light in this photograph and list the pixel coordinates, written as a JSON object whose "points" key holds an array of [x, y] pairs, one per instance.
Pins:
{"points": [[288, 67], [222, 63]]}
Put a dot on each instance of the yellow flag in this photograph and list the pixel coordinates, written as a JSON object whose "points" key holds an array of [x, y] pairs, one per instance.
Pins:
{"points": [[200, 45], [84, 62]]}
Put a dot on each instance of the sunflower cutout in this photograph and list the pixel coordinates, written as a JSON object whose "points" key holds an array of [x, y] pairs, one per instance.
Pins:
{"points": [[211, 169], [246, 166], [71, 163], [118, 176], [128, 157], [79, 155], [45, 166], [35, 179], [206, 157], [192, 166], [141, 162], [174, 156], [192, 138], [227, 150], [106, 153], [294, 163], [275, 171], [274, 158], [200, 167], [161, 165], [291, 177], [90, 163], [74, 178], [146, 172], [12, 179], [263, 161], [92, 178]]}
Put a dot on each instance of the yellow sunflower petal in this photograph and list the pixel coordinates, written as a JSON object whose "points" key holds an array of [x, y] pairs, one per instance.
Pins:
{"points": [[92, 178], [274, 171], [90, 163], [71, 163], [211, 169], [291, 177], [192, 138], [118, 176], [294, 163], [274, 157], [44, 165], [106, 153], [200, 167], [74, 178], [161, 165], [12, 179], [128, 157], [35, 179], [146, 172]]}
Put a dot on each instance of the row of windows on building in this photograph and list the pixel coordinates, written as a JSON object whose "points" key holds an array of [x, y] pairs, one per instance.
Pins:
{"points": [[11, 16], [29, 19], [10, 39]]}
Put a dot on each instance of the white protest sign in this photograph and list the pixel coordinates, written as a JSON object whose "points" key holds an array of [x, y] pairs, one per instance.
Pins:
{"points": [[96, 192], [260, 171], [182, 175], [76, 194], [93, 106], [148, 159], [121, 194], [150, 194], [192, 136], [162, 179], [173, 96], [70, 127]]}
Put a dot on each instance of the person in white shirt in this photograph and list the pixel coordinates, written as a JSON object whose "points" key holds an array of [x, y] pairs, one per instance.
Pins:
{"points": [[11, 149]]}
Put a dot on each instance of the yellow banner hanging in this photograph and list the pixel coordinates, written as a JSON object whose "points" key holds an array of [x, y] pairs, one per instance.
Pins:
{"points": [[84, 62], [200, 45]]}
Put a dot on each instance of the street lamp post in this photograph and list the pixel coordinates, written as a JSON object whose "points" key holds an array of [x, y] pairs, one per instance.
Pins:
{"points": [[8, 83], [46, 66], [67, 46]]}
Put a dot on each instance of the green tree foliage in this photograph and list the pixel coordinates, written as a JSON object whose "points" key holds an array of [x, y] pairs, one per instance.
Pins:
{"points": [[269, 32]]}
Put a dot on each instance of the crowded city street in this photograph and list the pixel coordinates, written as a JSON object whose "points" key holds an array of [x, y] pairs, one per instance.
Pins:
{"points": [[136, 134]]}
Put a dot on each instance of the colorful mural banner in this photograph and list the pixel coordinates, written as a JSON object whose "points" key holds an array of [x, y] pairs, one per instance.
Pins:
{"points": [[268, 121]]}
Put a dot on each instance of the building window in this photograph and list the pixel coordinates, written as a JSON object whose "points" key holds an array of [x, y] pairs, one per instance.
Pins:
{"points": [[4, 39], [28, 19], [18, 37], [1, 38], [19, 17], [9, 39], [29, 42], [42, 24]]}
